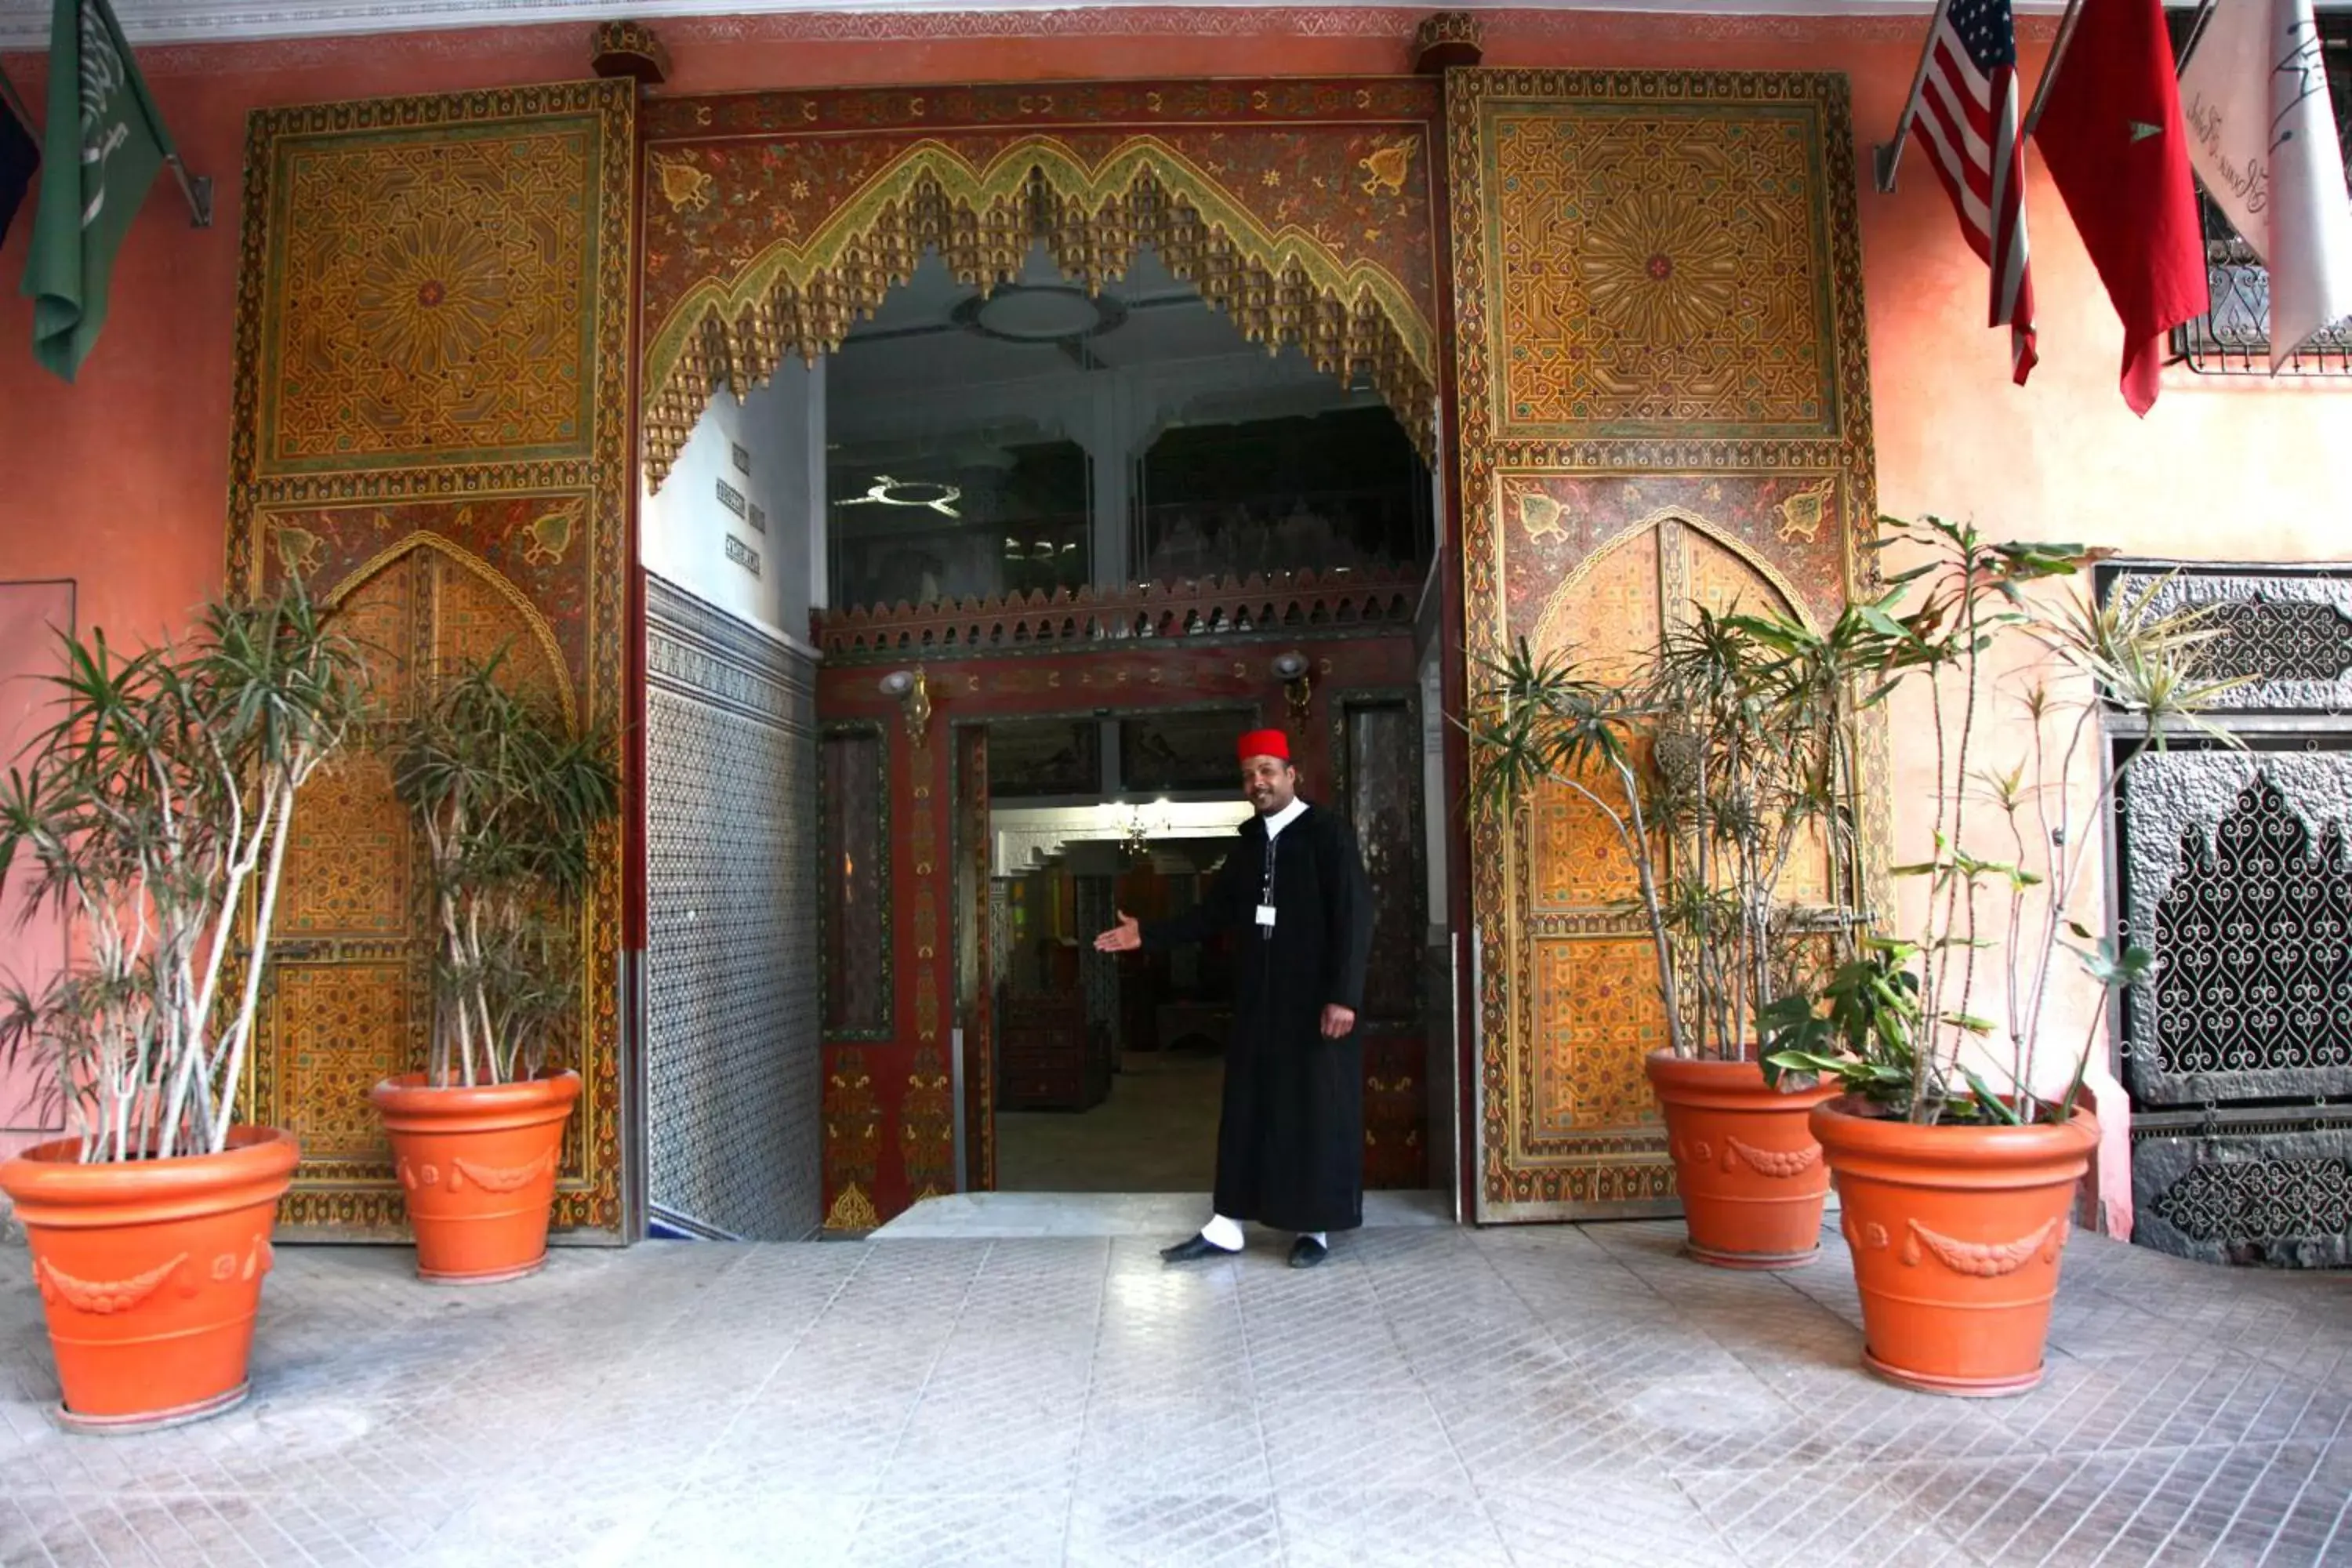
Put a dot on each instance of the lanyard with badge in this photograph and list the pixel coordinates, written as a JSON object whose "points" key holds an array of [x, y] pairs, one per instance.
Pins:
{"points": [[1265, 891]]}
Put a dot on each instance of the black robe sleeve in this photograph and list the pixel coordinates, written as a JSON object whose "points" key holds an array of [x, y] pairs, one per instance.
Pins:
{"points": [[1230, 902], [1348, 940]]}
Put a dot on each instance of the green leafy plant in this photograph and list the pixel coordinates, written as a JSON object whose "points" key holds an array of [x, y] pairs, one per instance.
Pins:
{"points": [[1722, 759], [511, 804], [154, 812], [1908, 1044]]}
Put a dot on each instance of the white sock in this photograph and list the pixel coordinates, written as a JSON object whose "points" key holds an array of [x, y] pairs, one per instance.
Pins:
{"points": [[1318, 1237], [1225, 1234]]}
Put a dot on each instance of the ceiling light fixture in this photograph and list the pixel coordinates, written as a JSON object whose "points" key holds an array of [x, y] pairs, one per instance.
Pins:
{"points": [[888, 491], [1040, 314]]}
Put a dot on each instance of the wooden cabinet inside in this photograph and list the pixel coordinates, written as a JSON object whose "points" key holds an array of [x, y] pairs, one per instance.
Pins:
{"points": [[1047, 1057]]}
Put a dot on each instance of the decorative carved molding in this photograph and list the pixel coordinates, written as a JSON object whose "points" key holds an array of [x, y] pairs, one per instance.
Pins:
{"points": [[629, 49], [24, 23], [498, 1178], [1026, 838], [699, 649], [1777, 1162], [104, 1298], [1987, 1259], [2288, 633], [171, 42], [1447, 39], [1288, 603]]}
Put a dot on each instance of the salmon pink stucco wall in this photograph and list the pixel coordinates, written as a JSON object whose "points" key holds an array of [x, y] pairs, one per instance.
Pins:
{"points": [[119, 481]]}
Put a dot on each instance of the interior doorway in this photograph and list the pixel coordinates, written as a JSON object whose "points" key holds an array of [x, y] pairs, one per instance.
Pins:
{"points": [[1208, 538], [1104, 1070]]}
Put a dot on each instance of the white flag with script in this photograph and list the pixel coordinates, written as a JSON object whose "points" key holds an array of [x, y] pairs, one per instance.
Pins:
{"points": [[2263, 138]]}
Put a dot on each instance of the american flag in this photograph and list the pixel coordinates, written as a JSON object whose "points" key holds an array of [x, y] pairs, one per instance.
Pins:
{"points": [[1967, 126]]}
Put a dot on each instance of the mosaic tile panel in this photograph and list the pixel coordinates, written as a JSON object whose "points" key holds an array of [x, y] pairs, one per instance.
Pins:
{"points": [[732, 962]]}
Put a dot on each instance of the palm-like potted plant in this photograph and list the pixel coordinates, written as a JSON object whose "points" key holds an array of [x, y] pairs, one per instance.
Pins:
{"points": [[1958, 1145], [1724, 763], [156, 812], [511, 803]]}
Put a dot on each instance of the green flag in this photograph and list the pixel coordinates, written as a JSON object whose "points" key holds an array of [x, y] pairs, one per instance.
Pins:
{"points": [[102, 123]]}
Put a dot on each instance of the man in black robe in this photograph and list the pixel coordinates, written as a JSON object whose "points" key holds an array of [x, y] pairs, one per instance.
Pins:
{"points": [[1290, 1135]]}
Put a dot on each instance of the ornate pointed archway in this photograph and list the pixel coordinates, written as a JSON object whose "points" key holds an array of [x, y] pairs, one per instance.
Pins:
{"points": [[773, 222]]}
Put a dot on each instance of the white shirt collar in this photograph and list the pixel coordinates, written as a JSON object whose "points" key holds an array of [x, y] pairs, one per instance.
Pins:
{"points": [[1283, 818]]}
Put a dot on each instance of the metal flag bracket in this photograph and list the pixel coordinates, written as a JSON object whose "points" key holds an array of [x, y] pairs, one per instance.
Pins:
{"points": [[1887, 155], [197, 188]]}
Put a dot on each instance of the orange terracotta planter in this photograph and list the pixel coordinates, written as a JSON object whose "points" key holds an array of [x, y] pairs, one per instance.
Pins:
{"points": [[150, 1272], [1956, 1235], [1746, 1162], [477, 1168]]}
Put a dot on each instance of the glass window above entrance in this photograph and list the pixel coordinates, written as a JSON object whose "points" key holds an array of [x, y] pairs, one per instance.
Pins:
{"points": [[1036, 438]]}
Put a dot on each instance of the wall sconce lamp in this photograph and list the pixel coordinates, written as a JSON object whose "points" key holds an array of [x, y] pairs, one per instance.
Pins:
{"points": [[914, 697], [1291, 670]]}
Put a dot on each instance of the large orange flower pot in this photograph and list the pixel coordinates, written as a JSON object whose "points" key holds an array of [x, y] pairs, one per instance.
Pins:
{"points": [[150, 1272], [1956, 1233], [477, 1168], [1745, 1162]]}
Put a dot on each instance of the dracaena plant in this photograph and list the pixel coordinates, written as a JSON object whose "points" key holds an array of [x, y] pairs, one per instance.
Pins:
{"points": [[511, 803], [2011, 837], [154, 813], [1722, 761]]}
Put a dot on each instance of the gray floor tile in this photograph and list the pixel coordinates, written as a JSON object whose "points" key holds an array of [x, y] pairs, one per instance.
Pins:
{"points": [[1344, 1527], [1316, 1440], [1206, 1529], [1184, 1445], [1018, 1531], [765, 1524], [1559, 1395], [1612, 1521]]}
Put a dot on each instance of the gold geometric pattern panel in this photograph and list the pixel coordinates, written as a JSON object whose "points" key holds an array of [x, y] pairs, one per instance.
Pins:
{"points": [[348, 861], [340, 1030], [380, 617], [436, 296], [1669, 271], [473, 621], [1663, 396], [1601, 1016], [1724, 585], [432, 429]]}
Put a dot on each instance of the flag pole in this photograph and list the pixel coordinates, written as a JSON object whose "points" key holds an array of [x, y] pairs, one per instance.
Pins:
{"points": [[2196, 32], [1887, 155], [197, 188], [2050, 72]]}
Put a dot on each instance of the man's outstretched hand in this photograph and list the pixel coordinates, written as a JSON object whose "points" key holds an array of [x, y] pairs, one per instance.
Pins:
{"points": [[1338, 1021], [1124, 937]]}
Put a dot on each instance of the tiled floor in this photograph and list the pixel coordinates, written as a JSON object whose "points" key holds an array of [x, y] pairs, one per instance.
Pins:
{"points": [[1155, 1131], [1433, 1395]]}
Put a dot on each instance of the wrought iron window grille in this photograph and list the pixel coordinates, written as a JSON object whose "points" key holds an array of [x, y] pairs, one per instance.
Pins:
{"points": [[2233, 336], [2233, 867]]}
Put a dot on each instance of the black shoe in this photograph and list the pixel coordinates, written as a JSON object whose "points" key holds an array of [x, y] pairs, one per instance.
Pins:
{"points": [[1307, 1252], [1190, 1249]]}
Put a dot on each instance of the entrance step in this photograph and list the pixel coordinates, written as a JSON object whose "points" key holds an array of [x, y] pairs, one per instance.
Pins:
{"points": [[1167, 1215]]}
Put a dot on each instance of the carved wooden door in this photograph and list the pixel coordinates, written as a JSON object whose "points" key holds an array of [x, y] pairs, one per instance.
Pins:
{"points": [[349, 1000], [975, 976], [1661, 402], [431, 430]]}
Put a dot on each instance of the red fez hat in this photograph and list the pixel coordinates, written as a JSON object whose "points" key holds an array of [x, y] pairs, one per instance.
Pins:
{"points": [[1263, 743]]}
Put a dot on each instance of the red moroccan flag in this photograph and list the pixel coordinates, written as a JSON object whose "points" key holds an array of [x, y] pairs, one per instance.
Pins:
{"points": [[2112, 137]]}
